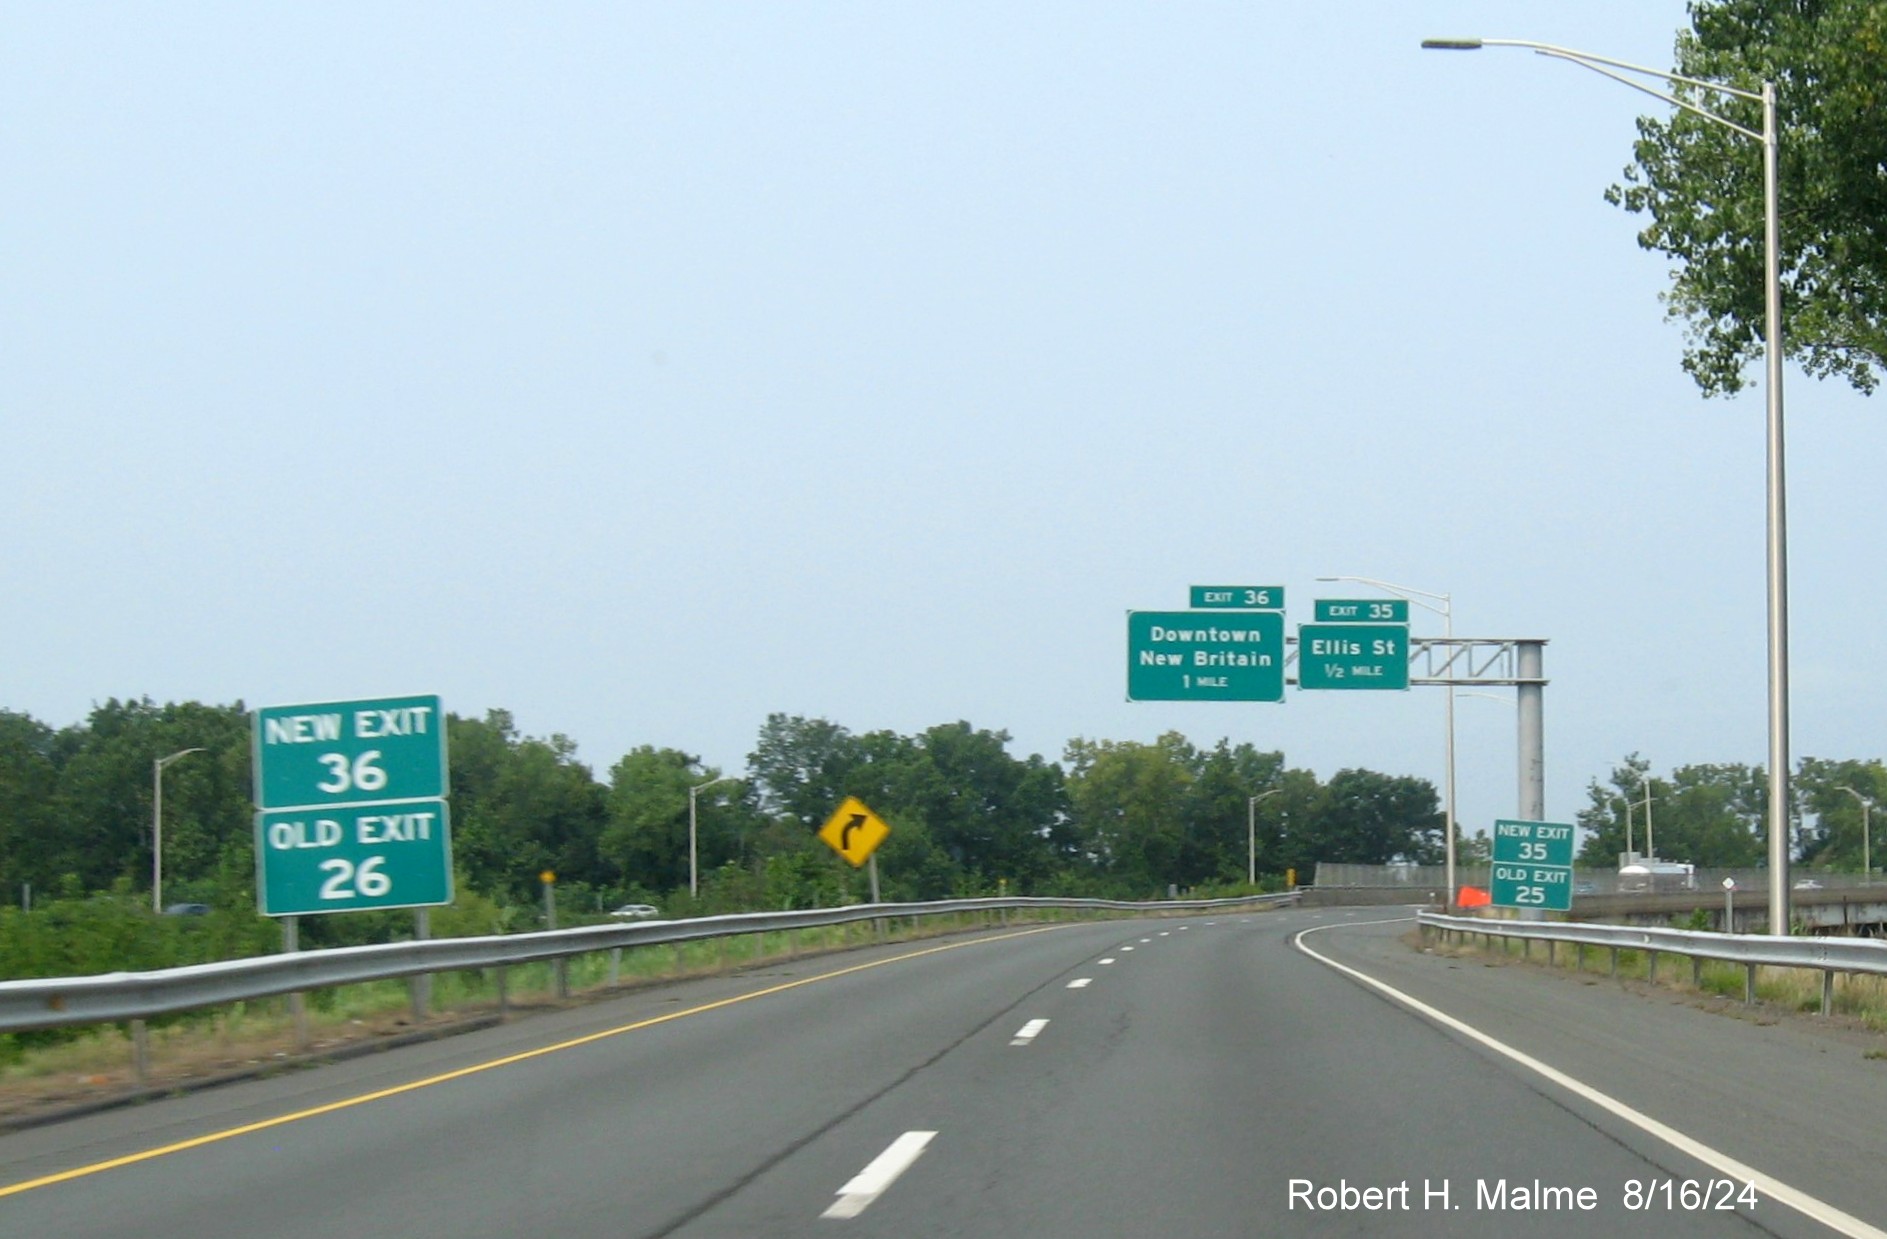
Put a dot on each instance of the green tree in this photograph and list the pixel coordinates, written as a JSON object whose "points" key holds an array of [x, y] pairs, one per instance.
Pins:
{"points": [[29, 779], [800, 765], [1128, 800], [1702, 187], [1828, 790], [1371, 819], [521, 806]]}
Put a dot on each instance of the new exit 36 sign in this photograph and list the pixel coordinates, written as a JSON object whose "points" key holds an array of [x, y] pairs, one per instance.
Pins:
{"points": [[351, 810]]}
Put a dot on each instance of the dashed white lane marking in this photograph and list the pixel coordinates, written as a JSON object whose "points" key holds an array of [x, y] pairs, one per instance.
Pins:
{"points": [[1146, 939], [1028, 1032], [1212, 922], [1126, 948], [1080, 983], [1766, 1185], [1108, 960], [1164, 934], [882, 1171]]}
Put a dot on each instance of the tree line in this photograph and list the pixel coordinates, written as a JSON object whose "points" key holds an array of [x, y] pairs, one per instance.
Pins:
{"points": [[1715, 815], [968, 816]]}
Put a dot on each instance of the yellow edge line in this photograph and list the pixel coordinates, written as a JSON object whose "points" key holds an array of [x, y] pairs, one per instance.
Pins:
{"points": [[131, 1159]]}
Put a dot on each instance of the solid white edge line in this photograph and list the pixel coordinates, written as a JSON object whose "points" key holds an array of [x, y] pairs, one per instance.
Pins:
{"points": [[880, 1173], [1809, 1206], [1028, 1032], [1080, 983]]}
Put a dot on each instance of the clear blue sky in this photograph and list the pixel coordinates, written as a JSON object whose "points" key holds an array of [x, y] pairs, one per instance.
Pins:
{"points": [[646, 368]]}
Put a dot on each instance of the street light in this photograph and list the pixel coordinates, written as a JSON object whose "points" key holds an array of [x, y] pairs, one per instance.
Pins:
{"points": [[1866, 810], [1446, 610], [157, 825], [694, 885], [1251, 835], [1777, 524]]}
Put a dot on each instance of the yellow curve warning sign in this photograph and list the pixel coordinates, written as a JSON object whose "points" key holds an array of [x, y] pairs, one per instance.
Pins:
{"points": [[854, 832]]}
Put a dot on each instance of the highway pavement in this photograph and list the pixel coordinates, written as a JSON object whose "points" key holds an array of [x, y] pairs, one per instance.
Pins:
{"points": [[1298, 1072]]}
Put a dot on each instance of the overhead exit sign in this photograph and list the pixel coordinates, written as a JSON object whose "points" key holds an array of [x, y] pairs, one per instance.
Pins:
{"points": [[1361, 611], [1205, 656], [1238, 597], [1352, 656]]}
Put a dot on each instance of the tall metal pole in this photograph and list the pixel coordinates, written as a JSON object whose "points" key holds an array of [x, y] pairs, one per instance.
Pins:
{"points": [[1251, 841], [1251, 834], [157, 826], [1531, 728], [1448, 793], [694, 883], [1778, 534], [1651, 847], [1447, 612], [1777, 556]]}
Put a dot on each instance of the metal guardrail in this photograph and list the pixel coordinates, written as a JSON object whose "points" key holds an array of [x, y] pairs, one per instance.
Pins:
{"points": [[109, 997], [1825, 955]]}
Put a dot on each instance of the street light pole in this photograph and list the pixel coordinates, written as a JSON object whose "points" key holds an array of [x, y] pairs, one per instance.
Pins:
{"points": [[694, 884], [1251, 835], [1777, 556], [1446, 610], [1867, 867], [157, 826]]}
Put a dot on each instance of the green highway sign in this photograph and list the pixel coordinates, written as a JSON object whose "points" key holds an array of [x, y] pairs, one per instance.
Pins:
{"points": [[351, 811], [1238, 597], [1205, 656], [350, 857], [1352, 656], [1546, 887], [1361, 611], [1533, 843], [346, 752]]}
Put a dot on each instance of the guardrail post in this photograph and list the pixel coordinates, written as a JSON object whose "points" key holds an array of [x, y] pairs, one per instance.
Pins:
{"points": [[1549, 952], [1615, 963], [140, 1052], [504, 991], [1651, 966], [1697, 971], [1827, 990], [615, 967], [297, 1003], [1579, 958], [422, 983], [1749, 984]]}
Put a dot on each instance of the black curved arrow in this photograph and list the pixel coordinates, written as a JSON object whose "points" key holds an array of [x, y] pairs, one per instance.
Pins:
{"points": [[845, 831]]}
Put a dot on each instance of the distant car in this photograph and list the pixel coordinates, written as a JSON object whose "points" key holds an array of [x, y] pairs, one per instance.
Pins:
{"points": [[635, 912], [1808, 884], [187, 909]]}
